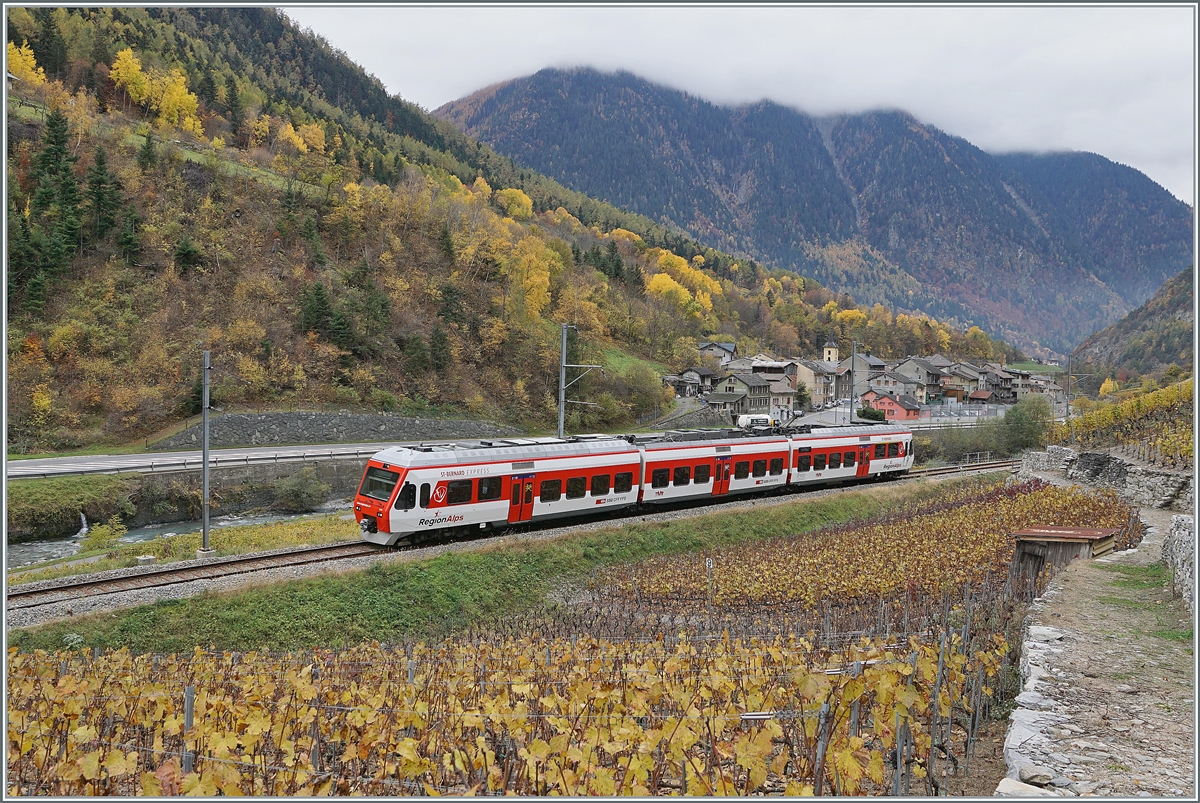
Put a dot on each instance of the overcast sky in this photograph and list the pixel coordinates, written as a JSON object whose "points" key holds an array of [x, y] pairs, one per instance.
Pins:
{"points": [[1115, 81]]}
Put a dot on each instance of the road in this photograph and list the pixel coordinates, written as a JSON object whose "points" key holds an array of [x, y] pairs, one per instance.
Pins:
{"points": [[155, 462]]}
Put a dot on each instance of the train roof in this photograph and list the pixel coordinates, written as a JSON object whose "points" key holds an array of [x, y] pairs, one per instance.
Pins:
{"points": [[875, 429], [518, 449], [499, 450]]}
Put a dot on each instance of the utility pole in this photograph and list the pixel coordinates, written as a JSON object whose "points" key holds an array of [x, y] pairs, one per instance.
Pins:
{"points": [[853, 359], [562, 381], [205, 551], [1070, 421], [563, 384]]}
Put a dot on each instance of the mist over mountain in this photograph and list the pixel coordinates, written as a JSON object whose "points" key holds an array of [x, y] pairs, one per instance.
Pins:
{"points": [[1038, 248]]}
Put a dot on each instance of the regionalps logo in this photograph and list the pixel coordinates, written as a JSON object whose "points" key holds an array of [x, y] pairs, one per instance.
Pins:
{"points": [[439, 521]]}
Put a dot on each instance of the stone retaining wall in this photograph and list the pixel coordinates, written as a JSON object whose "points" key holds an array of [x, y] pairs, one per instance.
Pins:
{"points": [[1148, 487], [253, 429], [1179, 549], [704, 417]]}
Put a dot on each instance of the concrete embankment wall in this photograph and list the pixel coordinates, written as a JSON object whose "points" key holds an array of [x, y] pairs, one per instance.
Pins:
{"points": [[255, 429]]}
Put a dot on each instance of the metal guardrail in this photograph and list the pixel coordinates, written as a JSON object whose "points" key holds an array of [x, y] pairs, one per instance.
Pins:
{"points": [[168, 466]]}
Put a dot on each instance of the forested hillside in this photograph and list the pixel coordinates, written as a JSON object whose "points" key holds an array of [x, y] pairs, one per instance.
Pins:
{"points": [[1037, 248], [182, 180], [1146, 342]]}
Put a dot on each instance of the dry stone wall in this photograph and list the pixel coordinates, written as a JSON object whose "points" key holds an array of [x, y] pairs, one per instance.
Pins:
{"points": [[1179, 553], [254, 429], [1148, 487]]}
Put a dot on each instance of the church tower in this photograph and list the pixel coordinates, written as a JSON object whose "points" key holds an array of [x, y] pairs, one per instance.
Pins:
{"points": [[831, 351]]}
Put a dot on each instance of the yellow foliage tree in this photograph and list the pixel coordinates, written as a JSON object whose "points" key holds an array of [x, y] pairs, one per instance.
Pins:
{"points": [[23, 66], [1108, 387], [127, 74], [176, 106], [528, 270], [515, 203], [313, 137]]}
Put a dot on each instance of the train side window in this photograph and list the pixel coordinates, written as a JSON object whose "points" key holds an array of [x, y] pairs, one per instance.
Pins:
{"points": [[848, 460], [802, 462], [407, 498], [702, 474], [835, 460], [893, 450], [623, 482], [576, 487], [879, 451], [516, 500], [776, 466], [660, 478], [600, 484], [818, 462], [551, 490], [683, 475], [458, 492], [741, 470], [902, 448], [424, 494], [760, 468], [489, 488]]}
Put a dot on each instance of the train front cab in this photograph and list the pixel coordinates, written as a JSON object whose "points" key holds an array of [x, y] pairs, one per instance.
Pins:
{"points": [[374, 500]]}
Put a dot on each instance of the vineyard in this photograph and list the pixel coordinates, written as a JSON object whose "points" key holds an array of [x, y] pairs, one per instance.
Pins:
{"points": [[1156, 427], [859, 660]]}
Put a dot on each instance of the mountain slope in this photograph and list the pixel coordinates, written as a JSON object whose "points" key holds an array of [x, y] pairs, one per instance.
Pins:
{"points": [[1148, 340], [945, 227]]}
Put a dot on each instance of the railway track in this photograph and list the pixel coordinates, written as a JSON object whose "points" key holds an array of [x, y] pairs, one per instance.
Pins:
{"points": [[994, 465], [21, 598]]}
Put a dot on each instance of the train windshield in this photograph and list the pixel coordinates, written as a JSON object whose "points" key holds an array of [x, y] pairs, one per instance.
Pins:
{"points": [[379, 483]]}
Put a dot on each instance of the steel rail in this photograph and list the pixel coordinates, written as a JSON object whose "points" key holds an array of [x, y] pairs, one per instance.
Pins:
{"points": [[205, 570]]}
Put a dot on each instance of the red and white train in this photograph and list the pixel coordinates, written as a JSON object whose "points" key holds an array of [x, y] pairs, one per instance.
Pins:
{"points": [[409, 494]]}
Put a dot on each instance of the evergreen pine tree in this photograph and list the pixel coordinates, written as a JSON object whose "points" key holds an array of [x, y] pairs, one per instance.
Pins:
{"points": [[52, 160], [234, 111], [416, 354], [103, 195], [315, 309], [128, 240], [146, 155], [341, 332], [440, 355], [207, 91], [50, 49], [35, 293]]}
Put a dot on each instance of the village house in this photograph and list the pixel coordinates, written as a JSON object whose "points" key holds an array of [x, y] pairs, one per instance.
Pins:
{"points": [[722, 351], [819, 377], [864, 366], [928, 375], [755, 390], [895, 408], [783, 397], [892, 383], [695, 381], [960, 381]]}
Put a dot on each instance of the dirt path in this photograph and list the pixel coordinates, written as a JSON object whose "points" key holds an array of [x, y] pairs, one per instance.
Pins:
{"points": [[1108, 707]]}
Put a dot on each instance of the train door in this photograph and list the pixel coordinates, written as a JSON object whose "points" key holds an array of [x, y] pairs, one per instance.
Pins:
{"points": [[521, 499], [864, 460], [721, 477]]}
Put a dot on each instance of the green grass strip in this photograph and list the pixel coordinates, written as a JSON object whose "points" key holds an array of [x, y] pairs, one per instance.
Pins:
{"points": [[435, 597]]}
